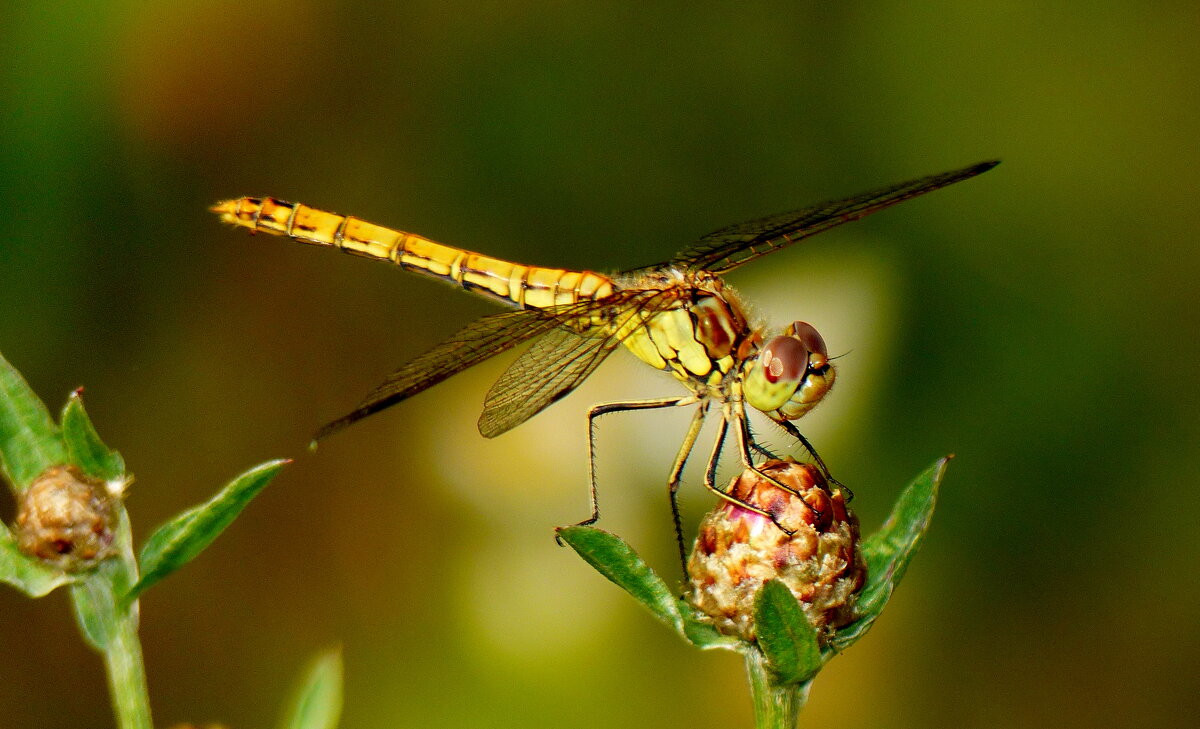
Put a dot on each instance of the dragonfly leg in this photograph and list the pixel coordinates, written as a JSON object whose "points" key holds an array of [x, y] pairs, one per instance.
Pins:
{"points": [[744, 447], [793, 431], [757, 447], [616, 407], [710, 476], [685, 450]]}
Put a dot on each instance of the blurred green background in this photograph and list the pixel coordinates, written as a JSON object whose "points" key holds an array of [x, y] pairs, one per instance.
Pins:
{"points": [[1040, 321]]}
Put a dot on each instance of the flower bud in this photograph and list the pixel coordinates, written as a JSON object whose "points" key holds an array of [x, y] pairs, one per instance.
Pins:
{"points": [[737, 550], [66, 519]]}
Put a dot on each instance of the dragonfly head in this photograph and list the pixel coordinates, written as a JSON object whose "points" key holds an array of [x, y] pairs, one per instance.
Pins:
{"points": [[791, 374]]}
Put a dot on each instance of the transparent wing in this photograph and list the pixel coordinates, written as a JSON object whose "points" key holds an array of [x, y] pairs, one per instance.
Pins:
{"points": [[728, 248], [474, 343], [478, 341], [554, 366]]}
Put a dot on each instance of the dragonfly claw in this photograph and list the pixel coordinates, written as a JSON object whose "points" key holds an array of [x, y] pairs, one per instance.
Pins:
{"points": [[841, 487], [791, 532]]}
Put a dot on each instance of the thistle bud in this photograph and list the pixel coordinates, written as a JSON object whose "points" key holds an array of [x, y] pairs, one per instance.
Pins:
{"points": [[66, 519], [737, 550]]}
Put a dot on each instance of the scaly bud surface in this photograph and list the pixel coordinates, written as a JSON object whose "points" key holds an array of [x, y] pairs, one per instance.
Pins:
{"points": [[737, 550], [66, 519]]}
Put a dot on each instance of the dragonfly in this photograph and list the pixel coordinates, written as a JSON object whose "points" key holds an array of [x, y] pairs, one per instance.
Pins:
{"points": [[678, 316]]}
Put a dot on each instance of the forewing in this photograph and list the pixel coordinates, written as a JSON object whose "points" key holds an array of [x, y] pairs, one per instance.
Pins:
{"points": [[556, 364], [474, 343], [728, 248]]}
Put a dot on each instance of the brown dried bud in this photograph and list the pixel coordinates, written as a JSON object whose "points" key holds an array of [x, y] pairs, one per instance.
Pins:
{"points": [[738, 550], [66, 519]]}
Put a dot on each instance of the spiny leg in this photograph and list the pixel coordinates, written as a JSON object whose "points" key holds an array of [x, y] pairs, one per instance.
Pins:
{"points": [[757, 447], [615, 407], [685, 450], [793, 431], [744, 440], [714, 459], [710, 476]]}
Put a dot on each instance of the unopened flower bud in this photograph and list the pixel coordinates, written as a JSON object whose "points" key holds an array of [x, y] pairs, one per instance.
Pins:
{"points": [[737, 550], [66, 519]]}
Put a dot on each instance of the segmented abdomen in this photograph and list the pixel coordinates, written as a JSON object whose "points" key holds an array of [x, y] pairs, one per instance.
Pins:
{"points": [[525, 286]]}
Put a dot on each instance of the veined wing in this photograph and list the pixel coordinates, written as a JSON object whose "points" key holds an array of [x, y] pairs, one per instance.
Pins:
{"points": [[476, 342], [561, 360], [728, 248]]}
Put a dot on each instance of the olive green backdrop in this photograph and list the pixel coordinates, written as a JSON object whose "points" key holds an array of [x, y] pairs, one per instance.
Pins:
{"points": [[1039, 321]]}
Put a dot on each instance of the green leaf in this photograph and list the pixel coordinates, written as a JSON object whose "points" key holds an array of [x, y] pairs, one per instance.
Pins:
{"points": [[178, 541], [617, 561], [316, 702], [24, 572], [29, 440], [784, 634], [84, 446], [888, 551]]}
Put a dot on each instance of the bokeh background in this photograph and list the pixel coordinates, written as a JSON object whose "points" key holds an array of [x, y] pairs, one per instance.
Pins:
{"points": [[1039, 321]]}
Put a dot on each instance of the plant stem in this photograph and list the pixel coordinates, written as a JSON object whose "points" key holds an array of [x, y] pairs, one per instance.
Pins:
{"points": [[127, 676], [109, 623], [775, 706]]}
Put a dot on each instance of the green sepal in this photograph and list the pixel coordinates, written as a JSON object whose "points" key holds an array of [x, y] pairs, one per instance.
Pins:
{"points": [[316, 702], [703, 634], [30, 442], [785, 636], [612, 557], [177, 542], [95, 595], [888, 551], [84, 446], [96, 610], [24, 572]]}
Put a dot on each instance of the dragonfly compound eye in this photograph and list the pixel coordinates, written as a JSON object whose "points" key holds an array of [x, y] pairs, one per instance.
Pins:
{"points": [[812, 341], [783, 359], [775, 374]]}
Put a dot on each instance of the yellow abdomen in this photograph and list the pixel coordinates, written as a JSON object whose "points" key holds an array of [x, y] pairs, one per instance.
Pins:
{"points": [[525, 286]]}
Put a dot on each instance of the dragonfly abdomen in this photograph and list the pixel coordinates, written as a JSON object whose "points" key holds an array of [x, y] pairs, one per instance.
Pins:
{"points": [[513, 283], [527, 286]]}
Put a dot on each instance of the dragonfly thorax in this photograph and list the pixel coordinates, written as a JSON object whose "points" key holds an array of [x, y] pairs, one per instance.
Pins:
{"points": [[697, 331]]}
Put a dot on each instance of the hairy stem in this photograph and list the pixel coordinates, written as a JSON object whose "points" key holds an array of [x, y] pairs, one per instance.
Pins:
{"points": [[127, 676], [776, 706]]}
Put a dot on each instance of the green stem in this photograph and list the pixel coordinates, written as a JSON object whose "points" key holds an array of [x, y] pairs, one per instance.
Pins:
{"points": [[775, 706], [109, 623], [127, 676]]}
